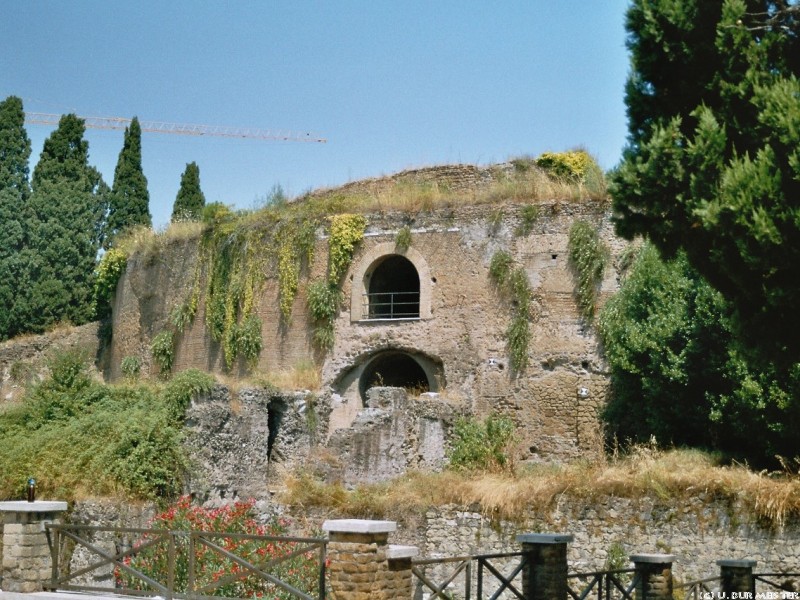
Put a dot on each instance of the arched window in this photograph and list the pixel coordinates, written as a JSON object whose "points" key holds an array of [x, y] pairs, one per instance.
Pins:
{"points": [[390, 285], [394, 369], [393, 291]]}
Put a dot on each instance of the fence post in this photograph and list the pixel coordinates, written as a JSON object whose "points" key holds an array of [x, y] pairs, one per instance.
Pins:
{"points": [[654, 574], [737, 576], [27, 564], [362, 564], [544, 576]]}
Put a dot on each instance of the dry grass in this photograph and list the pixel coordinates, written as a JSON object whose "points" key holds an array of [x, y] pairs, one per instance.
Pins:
{"points": [[304, 375], [147, 242], [677, 475]]}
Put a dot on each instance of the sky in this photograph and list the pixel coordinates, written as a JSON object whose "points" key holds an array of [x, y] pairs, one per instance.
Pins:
{"points": [[391, 85]]}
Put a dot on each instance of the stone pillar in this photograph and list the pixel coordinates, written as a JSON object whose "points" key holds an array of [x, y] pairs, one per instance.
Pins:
{"points": [[399, 578], [26, 554], [654, 572], [362, 565], [737, 576], [544, 576]]}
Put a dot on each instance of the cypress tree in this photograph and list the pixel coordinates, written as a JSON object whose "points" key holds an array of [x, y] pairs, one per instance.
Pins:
{"points": [[190, 200], [712, 164], [129, 199], [15, 150], [68, 202]]}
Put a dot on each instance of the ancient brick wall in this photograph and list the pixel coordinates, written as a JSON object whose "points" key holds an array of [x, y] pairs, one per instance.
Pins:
{"points": [[459, 339]]}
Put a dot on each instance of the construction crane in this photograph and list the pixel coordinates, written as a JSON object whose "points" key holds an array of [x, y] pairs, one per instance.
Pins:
{"points": [[34, 118]]}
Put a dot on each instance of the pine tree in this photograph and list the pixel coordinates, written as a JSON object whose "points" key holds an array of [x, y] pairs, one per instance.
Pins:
{"points": [[712, 164], [15, 150], [129, 199], [67, 202], [190, 200]]}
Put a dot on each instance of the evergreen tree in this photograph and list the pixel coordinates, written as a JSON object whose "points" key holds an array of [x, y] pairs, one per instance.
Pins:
{"points": [[677, 372], [712, 164], [190, 200], [67, 202], [15, 150], [129, 200]]}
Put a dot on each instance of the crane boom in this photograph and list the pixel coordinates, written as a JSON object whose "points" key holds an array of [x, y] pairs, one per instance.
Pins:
{"points": [[34, 118]]}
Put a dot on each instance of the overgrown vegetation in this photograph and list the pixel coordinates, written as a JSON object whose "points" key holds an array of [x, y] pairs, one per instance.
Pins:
{"points": [[513, 283], [670, 477], [78, 437], [588, 257]]}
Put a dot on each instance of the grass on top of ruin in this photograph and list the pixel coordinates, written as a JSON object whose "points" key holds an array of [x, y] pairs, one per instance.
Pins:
{"points": [[520, 181], [674, 477]]}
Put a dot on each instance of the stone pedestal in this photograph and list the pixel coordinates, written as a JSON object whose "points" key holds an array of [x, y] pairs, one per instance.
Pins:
{"points": [[737, 576], [26, 554], [362, 564], [654, 572], [544, 576]]}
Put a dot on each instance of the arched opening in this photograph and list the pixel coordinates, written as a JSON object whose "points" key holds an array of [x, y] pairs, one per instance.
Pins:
{"points": [[394, 369], [393, 290]]}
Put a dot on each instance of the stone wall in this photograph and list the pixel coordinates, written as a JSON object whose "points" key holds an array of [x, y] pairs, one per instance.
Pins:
{"points": [[698, 534], [242, 443], [459, 341], [23, 359]]}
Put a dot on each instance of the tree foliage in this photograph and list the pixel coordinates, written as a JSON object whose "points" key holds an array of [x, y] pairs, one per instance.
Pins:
{"points": [[129, 199], [712, 165], [678, 372], [65, 225], [15, 149], [190, 200]]}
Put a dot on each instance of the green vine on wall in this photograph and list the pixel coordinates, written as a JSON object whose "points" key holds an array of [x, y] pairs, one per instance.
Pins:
{"points": [[347, 231], [325, 297], [163, 350], [588, 257], [107, 274], [402, 241], [513, 283]]}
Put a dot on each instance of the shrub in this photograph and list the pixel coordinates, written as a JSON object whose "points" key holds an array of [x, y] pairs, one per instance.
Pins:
{"points": [[79, 437], [211, 568], [131, 367], [163, 350], [482, 445]]}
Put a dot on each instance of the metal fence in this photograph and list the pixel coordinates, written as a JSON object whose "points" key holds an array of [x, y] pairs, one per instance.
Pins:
{"points": [[391, 305], [615, 584], [457, 582], [191, 565]]}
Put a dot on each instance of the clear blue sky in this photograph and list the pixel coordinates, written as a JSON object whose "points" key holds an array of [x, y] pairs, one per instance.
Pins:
{"points": [[392, 85]]}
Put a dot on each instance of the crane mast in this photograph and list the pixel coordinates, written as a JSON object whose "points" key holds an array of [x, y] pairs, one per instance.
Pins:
{"points": [[35, 118]]}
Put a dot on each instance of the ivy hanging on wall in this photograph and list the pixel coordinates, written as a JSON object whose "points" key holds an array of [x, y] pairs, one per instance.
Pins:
{"points": [[325, 297], [513, 283], [588, 257]]}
